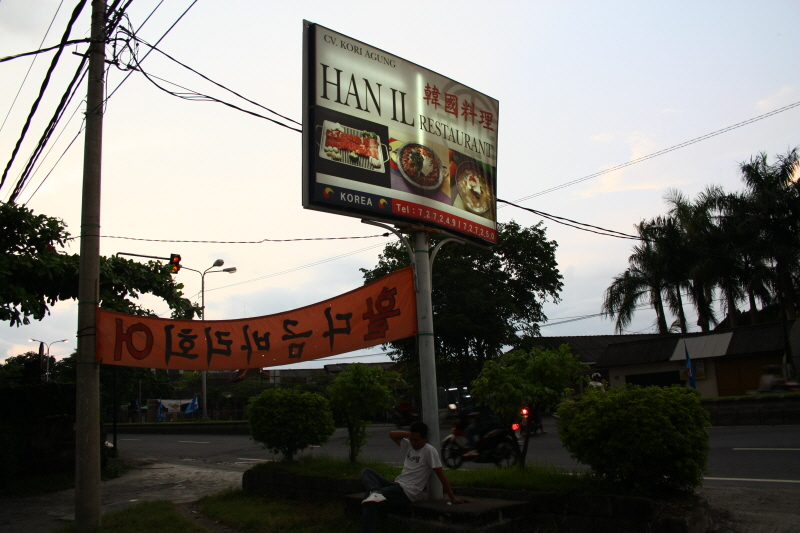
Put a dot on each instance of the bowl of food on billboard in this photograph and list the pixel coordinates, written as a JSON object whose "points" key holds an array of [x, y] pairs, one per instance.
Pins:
{"points": [[351, 146], [474, 189], [420, 166]]}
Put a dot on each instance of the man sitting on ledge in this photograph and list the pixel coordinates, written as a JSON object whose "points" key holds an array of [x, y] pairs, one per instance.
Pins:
{"points": [[420, 459]]}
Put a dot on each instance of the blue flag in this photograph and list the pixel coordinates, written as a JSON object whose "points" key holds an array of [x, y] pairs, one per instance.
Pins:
{"points": [[689, 367], [160, 411], [192, 407]]}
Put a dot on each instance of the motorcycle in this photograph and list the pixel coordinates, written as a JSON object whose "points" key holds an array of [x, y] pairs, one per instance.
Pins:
{"points": [[404, 417], [494, 446]]}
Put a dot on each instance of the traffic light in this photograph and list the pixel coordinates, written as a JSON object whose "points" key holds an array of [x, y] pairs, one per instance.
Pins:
{"points": [[174, 263]]}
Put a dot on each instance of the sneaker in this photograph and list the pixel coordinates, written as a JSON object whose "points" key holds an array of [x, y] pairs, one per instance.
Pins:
{"points": [[471, 454], [374, 497]]}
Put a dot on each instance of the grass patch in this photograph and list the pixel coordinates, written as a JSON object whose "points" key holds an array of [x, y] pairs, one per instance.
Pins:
{"points": [[531, 478], [157, 515], [272, 515]]}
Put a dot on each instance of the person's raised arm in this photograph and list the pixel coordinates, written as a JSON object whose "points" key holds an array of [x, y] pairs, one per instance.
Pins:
{"points": [[446, 486], [398, 436]]}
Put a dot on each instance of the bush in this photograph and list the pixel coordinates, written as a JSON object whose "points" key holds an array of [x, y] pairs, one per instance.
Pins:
{"points": [[645, 439], [287, 421]]}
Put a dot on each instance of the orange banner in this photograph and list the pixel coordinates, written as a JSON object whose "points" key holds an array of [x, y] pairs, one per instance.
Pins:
{"points": [[380, 312]]}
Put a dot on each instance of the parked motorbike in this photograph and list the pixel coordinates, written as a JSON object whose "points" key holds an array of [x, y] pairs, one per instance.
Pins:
{"points": [[494, 446]]}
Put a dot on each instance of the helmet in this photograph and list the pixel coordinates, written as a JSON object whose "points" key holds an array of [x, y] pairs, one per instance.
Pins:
{"points": [[596, 377]]}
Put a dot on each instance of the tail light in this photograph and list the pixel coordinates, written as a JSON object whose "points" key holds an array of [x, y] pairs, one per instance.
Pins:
{"points": [[514, 427]]}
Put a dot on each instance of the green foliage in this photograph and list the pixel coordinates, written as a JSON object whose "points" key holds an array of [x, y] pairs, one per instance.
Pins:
{"points": [[357, 393], [35, 275], [746, 245], [539, 377], [483, 300], [645, 439], [287, 421]]}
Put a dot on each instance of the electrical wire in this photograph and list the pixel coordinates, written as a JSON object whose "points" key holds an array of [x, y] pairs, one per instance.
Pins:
{"points": [[662, 152], [245, 242], [212, 81], [75, 13], [157, 43], [575, 224], [295, 269], [193, 95], [24, 79]]}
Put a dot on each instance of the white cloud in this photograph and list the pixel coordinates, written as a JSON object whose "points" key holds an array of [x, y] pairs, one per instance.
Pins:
{"points": [[785, 95], [603, 137], [616, 181]]}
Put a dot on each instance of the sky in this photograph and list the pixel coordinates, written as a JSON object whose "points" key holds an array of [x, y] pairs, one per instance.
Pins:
{"points": [[583, 87]]}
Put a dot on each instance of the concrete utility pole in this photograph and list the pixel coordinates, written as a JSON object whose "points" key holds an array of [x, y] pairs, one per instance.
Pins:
{"points": [[87, 426], [427, 355]]}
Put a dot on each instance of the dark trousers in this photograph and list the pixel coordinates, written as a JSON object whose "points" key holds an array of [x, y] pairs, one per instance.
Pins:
{"points": [[393, 492]]}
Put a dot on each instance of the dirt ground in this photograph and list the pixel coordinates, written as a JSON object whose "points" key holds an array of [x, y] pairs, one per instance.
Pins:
{"points": [[771, 508]]}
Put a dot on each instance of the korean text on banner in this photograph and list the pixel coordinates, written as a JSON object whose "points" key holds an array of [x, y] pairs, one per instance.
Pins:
{"points": [[377, 313]]}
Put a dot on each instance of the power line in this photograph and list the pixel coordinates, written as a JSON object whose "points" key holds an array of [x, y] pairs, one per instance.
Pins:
{"points": [[212, 81], [664, 151], [21, 85], [575, 224], [193, 95], [245, 242], [157, 43], [43, 87], [288, 271]]}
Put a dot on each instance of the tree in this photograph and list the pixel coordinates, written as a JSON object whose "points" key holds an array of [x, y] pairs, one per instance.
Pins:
{"points": [[774, 191], [287, 421], [644, 277], [357, 393], [34, 275], [540, 378], [483, 300], [25, 369]]}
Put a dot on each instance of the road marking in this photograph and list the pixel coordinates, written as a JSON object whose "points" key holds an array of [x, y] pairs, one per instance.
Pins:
{"points": [[194, 441], [130, 439], [748, 479], [769, 449], [248, 459]]}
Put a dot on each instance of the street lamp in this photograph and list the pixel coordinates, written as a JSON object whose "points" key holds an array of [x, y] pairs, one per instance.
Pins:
{"points": [[47, 370], [230, 270]]}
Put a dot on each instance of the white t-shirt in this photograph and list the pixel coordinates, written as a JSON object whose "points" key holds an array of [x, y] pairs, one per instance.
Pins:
{"points": [[417, 467]]}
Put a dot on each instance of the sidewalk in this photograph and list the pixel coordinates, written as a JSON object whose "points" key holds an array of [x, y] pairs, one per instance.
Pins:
{"points": [[157, 481]]}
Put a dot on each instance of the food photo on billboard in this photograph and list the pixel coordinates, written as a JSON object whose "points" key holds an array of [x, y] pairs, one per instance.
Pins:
{"points": [[385, 138]]}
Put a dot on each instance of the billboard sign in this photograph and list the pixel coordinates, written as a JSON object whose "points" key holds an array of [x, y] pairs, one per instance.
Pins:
{"points": [[386, 139]]}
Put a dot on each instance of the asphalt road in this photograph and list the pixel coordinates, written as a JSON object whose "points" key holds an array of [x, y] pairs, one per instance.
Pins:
{"points": [[744, 455]]}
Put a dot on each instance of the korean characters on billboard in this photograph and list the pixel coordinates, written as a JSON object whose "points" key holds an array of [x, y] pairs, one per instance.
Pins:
{"points": [[385, 138]]}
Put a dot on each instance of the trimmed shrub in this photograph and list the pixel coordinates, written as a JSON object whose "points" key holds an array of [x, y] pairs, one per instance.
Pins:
{"points": [[645, 439], [287, 421]]}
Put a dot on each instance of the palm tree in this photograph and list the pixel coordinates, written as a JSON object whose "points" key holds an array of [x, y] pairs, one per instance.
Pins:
{"points": [[775, 193], [644, 278], [694, 222]]}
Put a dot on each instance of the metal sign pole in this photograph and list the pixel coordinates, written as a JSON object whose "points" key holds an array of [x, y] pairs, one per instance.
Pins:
{"points": [[426, 347]]}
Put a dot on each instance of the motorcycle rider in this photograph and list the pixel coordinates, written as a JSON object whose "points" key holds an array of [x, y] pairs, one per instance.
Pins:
{"points": [[476, 421]]}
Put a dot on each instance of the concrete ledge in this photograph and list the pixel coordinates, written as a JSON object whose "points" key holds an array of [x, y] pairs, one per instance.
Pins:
{"points": [[762, 410]]}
